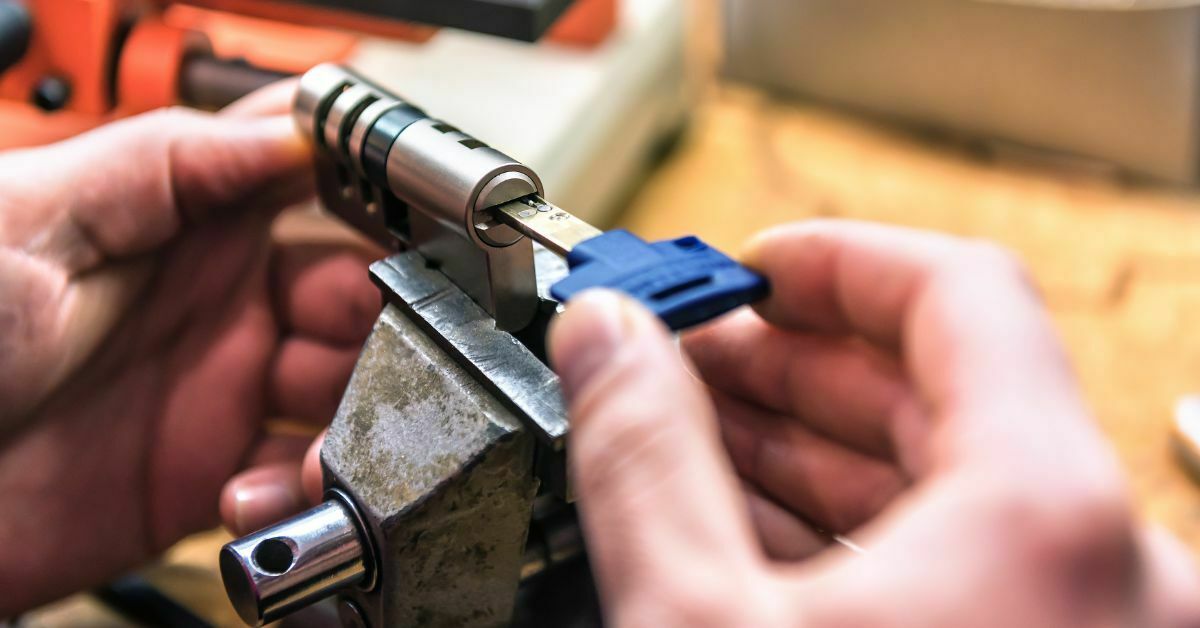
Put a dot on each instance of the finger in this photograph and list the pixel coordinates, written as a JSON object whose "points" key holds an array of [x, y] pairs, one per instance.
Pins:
{"points": [[261, 496], [282, 477], [272, 100], [307, 378], [656, 493], [324, 291], [840, 388], [1172, 580], [828, 484], [844, 277], [310, 472], [135, 183], [284, 442], [1015, 456], [1046, 558], [784, 536], [979, 347]]}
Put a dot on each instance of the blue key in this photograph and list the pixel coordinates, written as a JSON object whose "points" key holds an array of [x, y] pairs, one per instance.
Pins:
{"points": [[684, 281]]}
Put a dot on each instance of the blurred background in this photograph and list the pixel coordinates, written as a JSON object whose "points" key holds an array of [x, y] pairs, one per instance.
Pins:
{"points": [[1067, 130]]}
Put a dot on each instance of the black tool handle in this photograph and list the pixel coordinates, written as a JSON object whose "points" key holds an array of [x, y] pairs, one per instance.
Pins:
{"points": [[16, 27]]}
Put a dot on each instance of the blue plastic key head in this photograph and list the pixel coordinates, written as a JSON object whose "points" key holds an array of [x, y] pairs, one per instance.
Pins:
{"points": [[685, 281]]}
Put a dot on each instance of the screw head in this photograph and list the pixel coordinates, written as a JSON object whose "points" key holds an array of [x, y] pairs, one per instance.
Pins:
{"points": [[51, 93]]}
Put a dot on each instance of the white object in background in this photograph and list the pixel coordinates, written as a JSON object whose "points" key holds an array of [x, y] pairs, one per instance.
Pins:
{"points": [[1185, 437], [1114, 80], [586, 120]]}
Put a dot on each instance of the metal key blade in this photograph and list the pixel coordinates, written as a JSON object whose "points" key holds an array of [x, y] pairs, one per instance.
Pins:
{"points": [[546, 224]]}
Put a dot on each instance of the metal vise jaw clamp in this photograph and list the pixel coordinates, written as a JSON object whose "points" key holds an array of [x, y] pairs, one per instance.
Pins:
{"points": [[444, 465]]}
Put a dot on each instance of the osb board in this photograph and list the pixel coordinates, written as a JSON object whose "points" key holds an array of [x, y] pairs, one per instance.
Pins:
{"points": [[1119, 263]]}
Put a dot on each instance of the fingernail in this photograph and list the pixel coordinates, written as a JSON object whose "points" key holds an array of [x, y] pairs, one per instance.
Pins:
{"points": [[750, 250], [284, 128], [257, 505], [276, 134], [587, 336]]}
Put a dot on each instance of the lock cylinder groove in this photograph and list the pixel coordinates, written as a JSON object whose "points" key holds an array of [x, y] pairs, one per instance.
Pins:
{"points": [[411, 181], [430, 165], [380, 136]]}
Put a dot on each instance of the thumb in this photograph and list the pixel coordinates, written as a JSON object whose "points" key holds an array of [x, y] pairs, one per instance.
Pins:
{"points": [[657, 493], [129, 187], [76, 216]]}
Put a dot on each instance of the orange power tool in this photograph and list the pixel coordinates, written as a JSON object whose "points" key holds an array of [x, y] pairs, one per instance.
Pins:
{"points": [[69, 65]]}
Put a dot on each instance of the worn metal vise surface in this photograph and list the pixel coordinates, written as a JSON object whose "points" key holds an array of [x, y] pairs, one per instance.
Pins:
{"points": [[441, 500]]}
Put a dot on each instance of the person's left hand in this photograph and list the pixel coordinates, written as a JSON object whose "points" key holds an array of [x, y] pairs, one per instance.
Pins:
{"points": [[149, 328]]}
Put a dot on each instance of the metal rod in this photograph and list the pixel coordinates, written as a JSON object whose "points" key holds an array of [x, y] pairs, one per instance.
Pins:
{"points": [[16, 27], [287, 566], [211, 83]]}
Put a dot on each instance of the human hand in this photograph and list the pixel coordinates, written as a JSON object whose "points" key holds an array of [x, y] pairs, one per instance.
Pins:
{"points": [[903, 387], [149, 328]]}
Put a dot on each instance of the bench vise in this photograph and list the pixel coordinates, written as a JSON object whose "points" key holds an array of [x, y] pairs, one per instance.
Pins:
{"points": [[445, 463]]}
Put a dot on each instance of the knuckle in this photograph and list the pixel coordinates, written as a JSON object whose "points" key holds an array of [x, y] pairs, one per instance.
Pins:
{"points": [[1073, 525], [163, 126], [985, 267], [982, 256], [171, 117]]}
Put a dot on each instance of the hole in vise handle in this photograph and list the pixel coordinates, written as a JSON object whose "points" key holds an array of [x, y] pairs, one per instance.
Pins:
{"points": [[275, 556]]}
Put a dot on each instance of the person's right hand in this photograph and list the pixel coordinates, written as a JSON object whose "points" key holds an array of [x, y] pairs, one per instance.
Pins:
{"points": [[902, 387]]}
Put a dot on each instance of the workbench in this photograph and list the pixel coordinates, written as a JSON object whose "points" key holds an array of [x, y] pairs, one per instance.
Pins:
{"points": [[1118, 261]]}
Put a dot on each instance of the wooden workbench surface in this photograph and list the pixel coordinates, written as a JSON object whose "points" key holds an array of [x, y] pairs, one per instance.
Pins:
{"points": [[1119, 263]]}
